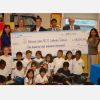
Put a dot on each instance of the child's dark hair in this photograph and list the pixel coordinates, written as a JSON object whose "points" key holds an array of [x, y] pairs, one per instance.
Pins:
{"points": [[2, 79], [30, 70], [60, 51], [19, 53], [38, 17], [19, 63], [67, 54], [2, 62], [42, 70], [39, 52], [28, 51], [65, 64], [51, 59], [79, 52], [33, 63], [93, 29], [53, 20]]}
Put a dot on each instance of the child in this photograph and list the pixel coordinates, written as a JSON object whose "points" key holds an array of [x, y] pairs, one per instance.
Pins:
{"points": [[19, 58], [35, 69], [41, 78], [78, 66], [45, 65], [27, 61], [18, 74], [58, 61], [69, 60], [7, 58], [49, 61], [38, 57], [63, 74], [2, 80], [29, 79], [3, 69]]}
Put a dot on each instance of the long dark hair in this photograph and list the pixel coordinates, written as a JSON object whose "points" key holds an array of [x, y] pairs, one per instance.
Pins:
{"points": [[30, 70], [5, 28], [93, 29], [51, 58]]}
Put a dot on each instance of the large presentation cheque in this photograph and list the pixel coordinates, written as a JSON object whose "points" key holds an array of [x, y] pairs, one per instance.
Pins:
{"points": [[49, 42]]}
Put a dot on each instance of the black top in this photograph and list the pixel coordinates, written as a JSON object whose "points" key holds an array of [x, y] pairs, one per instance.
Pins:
{"points": [[61, 70], [41, 29]]}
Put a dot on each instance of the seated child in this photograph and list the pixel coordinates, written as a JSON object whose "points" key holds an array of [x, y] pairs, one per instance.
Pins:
{"points": [[41, 78], [78, 66], [63, 74], [27, 61], [8, 59], [35, 69], [18, 74], [29, 79], [38, 57], [70, 60], [58, 61], [49, 61], [19, 58], [3, 69]]}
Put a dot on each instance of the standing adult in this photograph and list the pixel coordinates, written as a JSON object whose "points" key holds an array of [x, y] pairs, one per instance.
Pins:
{"points": [[54, 26], [93, 42], [37, 27], [71, 25], [21, 26], [5, 37]]}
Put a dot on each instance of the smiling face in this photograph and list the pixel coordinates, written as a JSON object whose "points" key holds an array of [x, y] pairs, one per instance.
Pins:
{"points": [[7, 29], [21, 23], [28, 55], [30, 74], [93, 33], [71, 21], [38, 22], [69, 56], [6, 51]]}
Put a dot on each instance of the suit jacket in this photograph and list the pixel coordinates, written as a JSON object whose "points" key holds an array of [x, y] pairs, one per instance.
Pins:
{"points": [[41, 29], [67, 27], [50, 29]]}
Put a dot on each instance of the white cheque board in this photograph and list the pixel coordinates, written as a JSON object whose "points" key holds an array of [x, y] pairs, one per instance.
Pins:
{"points": [[49, 42]]}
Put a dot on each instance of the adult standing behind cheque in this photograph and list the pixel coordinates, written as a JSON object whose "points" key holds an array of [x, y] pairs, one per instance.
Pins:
{"points": [[93, 42], [37, 27], [21, 26], [71, 25]]}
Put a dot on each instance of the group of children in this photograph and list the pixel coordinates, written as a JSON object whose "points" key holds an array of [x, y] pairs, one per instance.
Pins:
{"points": [[47, 70]]}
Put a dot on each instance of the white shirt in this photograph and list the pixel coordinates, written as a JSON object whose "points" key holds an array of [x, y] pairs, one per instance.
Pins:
{"points": [[58, 63], [28, 81], [37, 29], [39, 79], [27, 64], [4, 72], [70, 65], [38, 60], [72, 27], [36, 73], [15, 62], [78, 66], [8, 59], [18, 73]]}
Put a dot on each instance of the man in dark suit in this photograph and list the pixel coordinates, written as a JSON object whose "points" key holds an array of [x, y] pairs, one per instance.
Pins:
{"points": [[54, 26], [37, 27], [71, 25]]}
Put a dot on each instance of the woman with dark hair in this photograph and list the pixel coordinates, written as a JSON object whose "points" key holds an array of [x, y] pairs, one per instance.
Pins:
{"points": [[93, 42], [38, 27], [5, 37]]}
